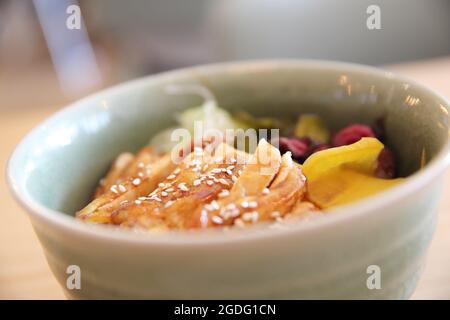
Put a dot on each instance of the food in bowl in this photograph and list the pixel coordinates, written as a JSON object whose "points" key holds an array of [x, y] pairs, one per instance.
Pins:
{"points": [[213, 180], [54, 170]]}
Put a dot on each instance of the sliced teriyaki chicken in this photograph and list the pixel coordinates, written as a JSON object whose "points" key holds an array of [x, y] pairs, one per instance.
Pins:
{"points": [[211, 187], [201, 178], [115, 173], [128, 166], [128, 179], [277, 192]]}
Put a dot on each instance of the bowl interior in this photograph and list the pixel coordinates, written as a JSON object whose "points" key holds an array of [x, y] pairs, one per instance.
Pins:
{"points": [[61, 161]]}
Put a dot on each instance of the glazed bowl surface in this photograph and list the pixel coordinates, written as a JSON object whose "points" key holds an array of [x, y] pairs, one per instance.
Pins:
{"points": [[55, 168]]}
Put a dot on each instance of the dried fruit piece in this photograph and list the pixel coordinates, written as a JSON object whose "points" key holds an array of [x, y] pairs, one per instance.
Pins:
{"points": [[386, 164], [320, 147], [352, 134], [301, 148], [312, 126], [344, 174], [345, 186]]}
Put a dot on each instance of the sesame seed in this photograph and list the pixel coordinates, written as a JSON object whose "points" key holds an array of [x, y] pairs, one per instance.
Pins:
{"points": [[224, 193], [141, 165], [140, 174], [255, 216], [229, 172], [217, 220], [122, 188], [138, 202], [136, 181], [215, 205], [235, 213], [204, 218], [124, 202], [177, 171], [230, 211], [275, 214], [219, 159], [171, 177], [252, 204], [216, 170], [248, 216], [224, 214], [161, 185], [223, 181], [209, 182], [239, 223], [244, 204], [233, 160], [197, 182], [142, 198], [114, 189], [266, 191], [205, 167], [169, 190], [182, 186], [234, 178], [164, 194], [168, 204]]}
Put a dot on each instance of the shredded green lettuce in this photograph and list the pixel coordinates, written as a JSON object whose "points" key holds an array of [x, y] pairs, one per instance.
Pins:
{"points": [[209, 114]]}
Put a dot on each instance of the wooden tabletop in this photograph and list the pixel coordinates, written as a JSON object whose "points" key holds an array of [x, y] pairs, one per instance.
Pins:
{"points": [[24, 273]]}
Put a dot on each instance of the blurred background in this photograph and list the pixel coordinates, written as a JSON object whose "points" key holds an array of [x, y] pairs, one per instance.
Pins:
{"points": [[44, 65], [120, 40]]}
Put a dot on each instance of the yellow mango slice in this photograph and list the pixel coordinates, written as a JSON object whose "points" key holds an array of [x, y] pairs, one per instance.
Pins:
{"points": [[312, 126], [345, 174], [345, 186]]}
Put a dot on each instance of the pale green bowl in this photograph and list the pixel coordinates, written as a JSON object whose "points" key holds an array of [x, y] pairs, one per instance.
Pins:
{"points": [[54, 169]]}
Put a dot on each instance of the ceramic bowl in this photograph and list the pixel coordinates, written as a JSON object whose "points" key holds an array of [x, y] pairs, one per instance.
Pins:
{"points": [[54, 169]]}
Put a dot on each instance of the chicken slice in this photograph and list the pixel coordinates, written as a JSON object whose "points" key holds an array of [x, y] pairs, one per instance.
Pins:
{"points": [[114, 174], [272, 199], [209, 188], [139, 179], [262, 166], [199, 179]]}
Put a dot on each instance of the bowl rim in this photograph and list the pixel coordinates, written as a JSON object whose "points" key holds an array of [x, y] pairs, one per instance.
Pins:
{"points": [[335, 216]]}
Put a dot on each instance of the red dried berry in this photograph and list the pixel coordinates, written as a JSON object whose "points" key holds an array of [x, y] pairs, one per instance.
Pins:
{"points": [[320, 147], [299, 147], [352, 134], [386, 164]]}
